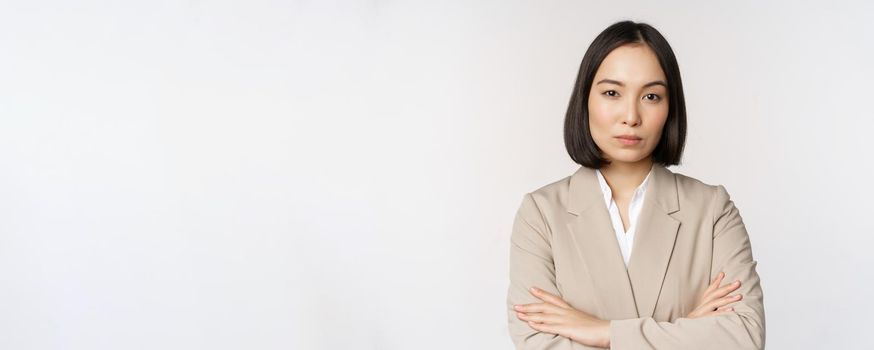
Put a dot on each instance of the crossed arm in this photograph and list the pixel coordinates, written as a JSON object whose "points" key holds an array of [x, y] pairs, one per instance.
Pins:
{"points": [[531, 265]]}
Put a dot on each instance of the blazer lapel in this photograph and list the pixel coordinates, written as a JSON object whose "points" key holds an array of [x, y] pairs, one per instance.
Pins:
{"points": [[654, 240], [592, 234], [624, 293]]}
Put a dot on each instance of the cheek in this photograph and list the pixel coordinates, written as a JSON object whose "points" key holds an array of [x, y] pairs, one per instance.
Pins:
{"points": [[599, 120], [598, 111], [657, 118]]}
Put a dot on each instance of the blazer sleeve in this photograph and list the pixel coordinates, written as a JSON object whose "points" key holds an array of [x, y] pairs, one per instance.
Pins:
{"points": [[742, 329], [531, 264]]}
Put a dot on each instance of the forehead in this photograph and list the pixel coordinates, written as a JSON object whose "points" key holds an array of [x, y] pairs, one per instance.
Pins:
{"points": [[631, 64]]}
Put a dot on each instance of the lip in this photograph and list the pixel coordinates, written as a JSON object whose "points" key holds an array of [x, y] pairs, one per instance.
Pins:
{"points": [[628, 140]]}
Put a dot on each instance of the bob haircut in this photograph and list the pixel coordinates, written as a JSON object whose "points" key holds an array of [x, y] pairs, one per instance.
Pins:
{"points": [[577, 136]]}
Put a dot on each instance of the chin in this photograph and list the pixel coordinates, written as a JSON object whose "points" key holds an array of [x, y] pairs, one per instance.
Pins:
{"points": [[628, 157]]}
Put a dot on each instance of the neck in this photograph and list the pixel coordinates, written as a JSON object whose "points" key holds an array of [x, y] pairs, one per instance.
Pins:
{"points": [[624, 178]]}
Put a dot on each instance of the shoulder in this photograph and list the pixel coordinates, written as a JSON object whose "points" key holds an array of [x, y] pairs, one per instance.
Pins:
{"points": [[541, 203], [689, 185], [693, 191], [551, 195]]}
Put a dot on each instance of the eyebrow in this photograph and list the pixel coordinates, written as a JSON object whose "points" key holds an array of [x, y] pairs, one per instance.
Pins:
{"points": [[611, 81]]}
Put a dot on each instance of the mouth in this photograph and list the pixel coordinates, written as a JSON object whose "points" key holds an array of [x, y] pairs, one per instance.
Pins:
{"points": [[628, 140]]}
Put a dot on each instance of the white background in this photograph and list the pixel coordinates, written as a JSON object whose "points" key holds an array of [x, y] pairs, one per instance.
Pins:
{"points": [[344, 175]]}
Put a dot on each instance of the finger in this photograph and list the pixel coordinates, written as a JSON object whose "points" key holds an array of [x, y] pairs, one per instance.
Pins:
{"points": [[713, 305], [549, 297], [719, 312], [716, 280], [538, 317], [720, 292], [713, 284], [726, 307], [543, 327], [724, 301], [710, 296], [539, 307], [724, 290]]}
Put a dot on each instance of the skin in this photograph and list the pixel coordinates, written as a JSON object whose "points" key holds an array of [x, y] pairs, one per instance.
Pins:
{"points": [[628, 96]]}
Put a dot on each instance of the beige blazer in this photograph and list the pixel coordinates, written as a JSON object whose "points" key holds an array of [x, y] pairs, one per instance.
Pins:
{"points": [[563, 242]]}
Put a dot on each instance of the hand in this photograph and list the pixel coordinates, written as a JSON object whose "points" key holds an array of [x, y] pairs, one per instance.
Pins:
{"points": [[557, 317], [713, 301]]}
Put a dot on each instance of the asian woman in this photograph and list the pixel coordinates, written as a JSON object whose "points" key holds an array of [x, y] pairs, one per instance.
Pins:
{"points": [[624, 253]]}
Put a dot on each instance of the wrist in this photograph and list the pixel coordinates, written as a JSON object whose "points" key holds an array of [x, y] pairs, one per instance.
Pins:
{"points": [[596, 333], [605, 334]]}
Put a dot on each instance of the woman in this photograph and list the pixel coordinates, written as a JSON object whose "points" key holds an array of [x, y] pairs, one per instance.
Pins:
{"points": [[624, 253]]}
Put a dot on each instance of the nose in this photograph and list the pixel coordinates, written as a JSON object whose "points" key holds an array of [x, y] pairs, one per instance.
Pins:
{"points": [[632, 116]]}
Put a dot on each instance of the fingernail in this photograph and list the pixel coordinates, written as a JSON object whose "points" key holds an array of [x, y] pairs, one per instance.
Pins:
{"points": [[517, 307], [533, 289]]}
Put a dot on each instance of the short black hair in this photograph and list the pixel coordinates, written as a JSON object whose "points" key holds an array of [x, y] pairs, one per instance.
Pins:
{"points": [[577, 136]]}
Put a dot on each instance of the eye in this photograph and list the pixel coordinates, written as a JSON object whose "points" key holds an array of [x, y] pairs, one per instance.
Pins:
{"points": [[654, 97], [608, 93]]}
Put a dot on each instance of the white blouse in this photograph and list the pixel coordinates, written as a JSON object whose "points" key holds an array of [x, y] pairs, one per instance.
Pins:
{"points": [[625, 238]]}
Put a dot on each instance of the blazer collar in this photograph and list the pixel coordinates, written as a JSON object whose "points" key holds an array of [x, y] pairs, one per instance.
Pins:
{"points": [[633, 292], [585, 190]]}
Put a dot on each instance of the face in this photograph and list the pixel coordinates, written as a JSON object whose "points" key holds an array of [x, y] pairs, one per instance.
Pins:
{"points": [[628, 97]]}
